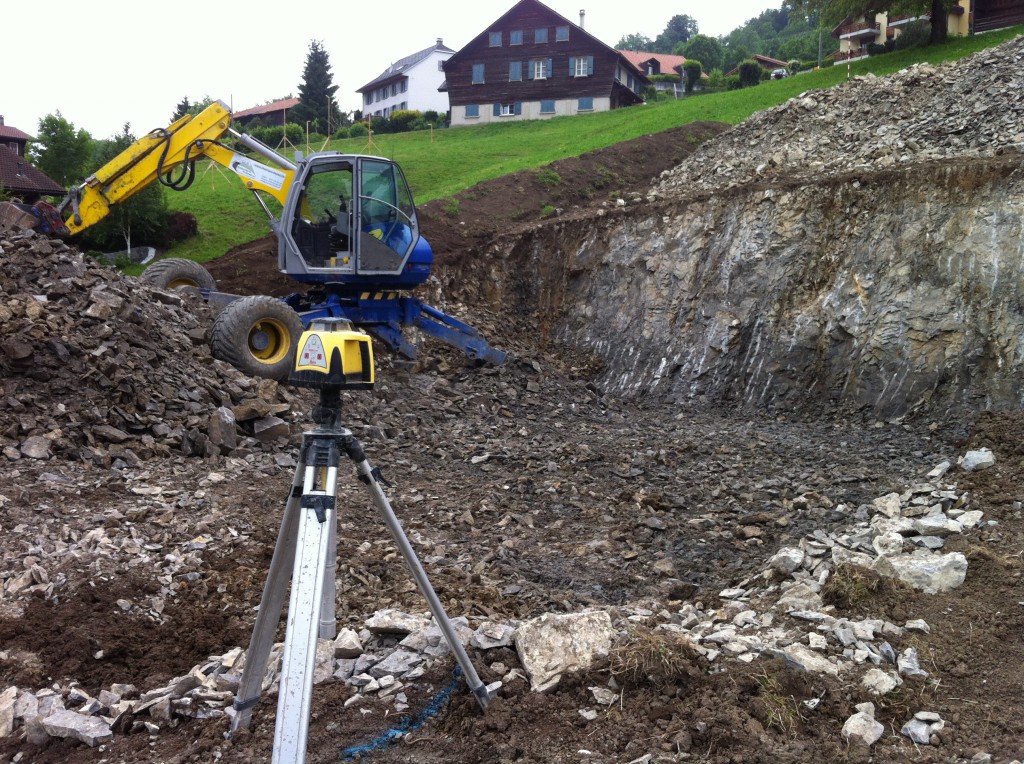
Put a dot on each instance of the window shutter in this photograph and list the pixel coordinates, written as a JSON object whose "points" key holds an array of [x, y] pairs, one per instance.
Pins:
{"points": [[572, 66], [497, 110], [590, 64], [519, 108], [529, 69], [548, 69]]}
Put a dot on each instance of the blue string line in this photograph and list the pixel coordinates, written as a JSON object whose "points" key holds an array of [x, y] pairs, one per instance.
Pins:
{"points": [[407, 724]]}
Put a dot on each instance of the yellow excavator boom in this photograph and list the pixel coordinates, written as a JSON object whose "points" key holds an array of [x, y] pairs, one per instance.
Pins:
{"points": [[176, 147]]}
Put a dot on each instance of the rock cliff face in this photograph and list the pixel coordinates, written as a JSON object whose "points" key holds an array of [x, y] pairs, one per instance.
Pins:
{"points": [[767, 270]]}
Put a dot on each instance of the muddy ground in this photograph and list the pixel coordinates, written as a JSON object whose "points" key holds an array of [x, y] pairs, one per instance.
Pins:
{"points": [[526, 490]]}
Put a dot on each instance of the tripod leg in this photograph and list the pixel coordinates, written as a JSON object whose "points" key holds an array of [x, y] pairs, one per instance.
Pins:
{"points": [[317, 517], [328, 608], [482, 693], [271, 604]]}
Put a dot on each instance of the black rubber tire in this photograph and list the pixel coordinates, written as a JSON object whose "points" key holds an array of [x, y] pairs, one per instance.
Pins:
{"points": [[178, 273], [257, 335]]}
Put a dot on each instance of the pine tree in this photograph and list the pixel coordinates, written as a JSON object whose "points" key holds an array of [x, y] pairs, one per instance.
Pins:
{"points": [[181, 109], [316, 94]]}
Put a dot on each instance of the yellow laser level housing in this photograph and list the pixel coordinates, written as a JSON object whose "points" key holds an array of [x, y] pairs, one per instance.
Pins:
{"points": [[332, 354]]}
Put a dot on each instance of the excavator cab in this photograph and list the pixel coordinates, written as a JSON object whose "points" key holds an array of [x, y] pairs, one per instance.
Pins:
{"points": [[349, 219]]}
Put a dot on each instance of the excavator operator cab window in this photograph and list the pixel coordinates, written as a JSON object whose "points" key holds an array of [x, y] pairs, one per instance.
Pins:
{"points": [[387, 230], [323, 227]]}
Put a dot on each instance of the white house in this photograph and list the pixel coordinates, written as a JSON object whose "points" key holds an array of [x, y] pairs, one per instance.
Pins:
{"points": [[409, 83]]}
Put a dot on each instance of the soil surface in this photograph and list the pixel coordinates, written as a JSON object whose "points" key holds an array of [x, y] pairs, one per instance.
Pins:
{"points": [[526, 491]]}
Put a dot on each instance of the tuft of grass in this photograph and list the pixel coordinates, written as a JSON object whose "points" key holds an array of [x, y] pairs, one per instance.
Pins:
{"points": [[851, 586], [647, 656], [781, 711], [547, 211], [548, 177], [451, 207]]}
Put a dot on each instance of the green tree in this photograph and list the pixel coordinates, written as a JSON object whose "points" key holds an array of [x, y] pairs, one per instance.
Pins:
{"points": [[635, 41], [679, 29], [143, 216], [316, 93], [750, 73], [61, 151], [707, 50], [181, 109]]}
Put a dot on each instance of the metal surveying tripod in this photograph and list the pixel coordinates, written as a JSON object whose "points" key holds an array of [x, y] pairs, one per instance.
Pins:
{"points": [[307, 548]]}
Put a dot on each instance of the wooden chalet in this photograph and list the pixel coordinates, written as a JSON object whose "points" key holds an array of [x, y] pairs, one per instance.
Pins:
{"points": [[533, 63], [274, 113], [17, 176]]}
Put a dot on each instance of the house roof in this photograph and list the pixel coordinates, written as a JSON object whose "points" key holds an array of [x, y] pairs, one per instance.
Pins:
{"points": [[402, 65], [19, 177], [268, 108], [12, 132], [666, 61], [766, 62]]}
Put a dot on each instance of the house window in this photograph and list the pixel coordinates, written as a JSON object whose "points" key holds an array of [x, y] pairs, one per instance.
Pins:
{"points": [[541, 69], [581, 66], [586, 104], [561, 34], [403, 105], [515, 71], [507, 109], [472, 111], [515, 37], [368, 98], [440, 66], [478, 74], [495, 38], [403, 86], [547, 107], [540, 35]]}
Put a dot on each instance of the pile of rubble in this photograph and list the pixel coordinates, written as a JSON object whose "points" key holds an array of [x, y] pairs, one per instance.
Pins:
{"points": [[777, 614], [102, 369], [920, 114]]}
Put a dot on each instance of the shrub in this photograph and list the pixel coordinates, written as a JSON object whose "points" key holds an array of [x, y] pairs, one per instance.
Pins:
{"points": [[431, 117], [876, 49], [180, 226], [794, 66], [403, 119], [693, 69], [358, 130], [548, 177], [914, 34], [750, 73], [732, 82]]}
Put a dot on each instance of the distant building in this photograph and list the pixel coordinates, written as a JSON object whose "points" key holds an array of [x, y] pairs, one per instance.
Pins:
{"points": [[856, 33], [533, 63], [412, 82], [274, 113], [17, 176]]}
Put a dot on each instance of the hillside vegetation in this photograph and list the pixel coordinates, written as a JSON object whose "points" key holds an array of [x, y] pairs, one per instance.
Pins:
{"points": [[440, 163]]}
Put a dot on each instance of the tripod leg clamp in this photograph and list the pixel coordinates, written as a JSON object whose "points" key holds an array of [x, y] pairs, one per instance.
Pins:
{"points": [[319, 503], [376, 474]]}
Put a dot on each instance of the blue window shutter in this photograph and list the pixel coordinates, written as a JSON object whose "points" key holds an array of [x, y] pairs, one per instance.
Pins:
{"points": [[590, 64], [497, 110], [519, 108], [572, 66], [548, 68], [529, 69]]}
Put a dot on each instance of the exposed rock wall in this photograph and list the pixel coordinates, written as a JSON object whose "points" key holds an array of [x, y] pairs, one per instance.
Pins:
{"points": [[892, 292], [858, 248]]}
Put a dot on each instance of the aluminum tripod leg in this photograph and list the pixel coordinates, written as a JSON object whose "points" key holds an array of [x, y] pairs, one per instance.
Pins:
{"points": [[271, 605], [304, 609], [366, 472]]}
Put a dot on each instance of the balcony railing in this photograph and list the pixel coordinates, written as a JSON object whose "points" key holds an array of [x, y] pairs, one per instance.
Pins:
{"points": [[865, 29], [897, 21]]}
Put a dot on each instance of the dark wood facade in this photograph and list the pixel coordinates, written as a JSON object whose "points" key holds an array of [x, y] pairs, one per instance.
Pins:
{"points": [[996, 14], [533, 55]]}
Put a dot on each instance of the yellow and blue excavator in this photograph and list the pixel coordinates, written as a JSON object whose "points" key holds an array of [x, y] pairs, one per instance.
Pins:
{"points": [[347, 229]]}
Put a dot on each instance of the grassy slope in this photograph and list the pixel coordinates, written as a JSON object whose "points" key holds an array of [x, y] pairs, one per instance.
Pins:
{"points": [[444, 162]]}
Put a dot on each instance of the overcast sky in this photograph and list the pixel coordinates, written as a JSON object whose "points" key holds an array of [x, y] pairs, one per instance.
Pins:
{"points": [[116, 61]]}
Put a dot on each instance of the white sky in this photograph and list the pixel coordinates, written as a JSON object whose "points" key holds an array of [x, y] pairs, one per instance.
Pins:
{"points": [[118, 61]]}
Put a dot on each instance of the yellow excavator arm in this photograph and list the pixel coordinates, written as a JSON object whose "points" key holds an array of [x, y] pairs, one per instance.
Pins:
{"points": [[156, 156]]}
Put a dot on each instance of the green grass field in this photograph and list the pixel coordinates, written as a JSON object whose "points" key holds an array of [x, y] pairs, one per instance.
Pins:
{"points": [[441, 163]]}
